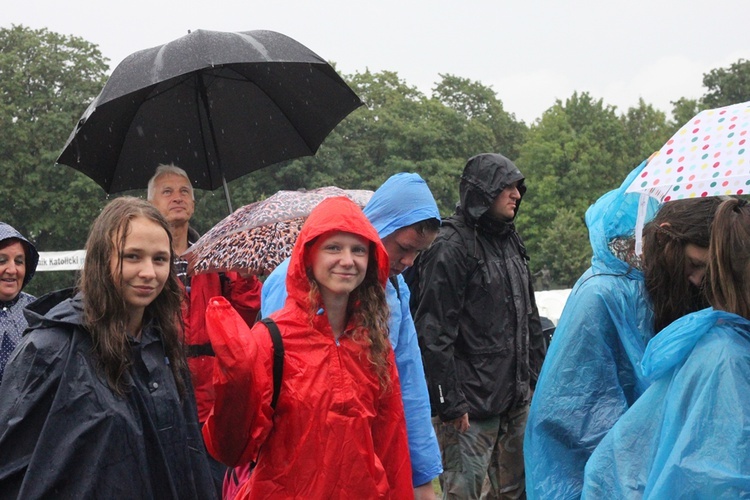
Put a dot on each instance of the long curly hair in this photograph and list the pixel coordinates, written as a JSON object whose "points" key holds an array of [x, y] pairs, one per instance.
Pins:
{"points": [[369, 310], [105, 312], [676, 224], [728, 275]]}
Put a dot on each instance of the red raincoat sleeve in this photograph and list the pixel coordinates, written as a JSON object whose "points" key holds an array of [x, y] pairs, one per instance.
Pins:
{"points": [[238, 425], [390, 440]]}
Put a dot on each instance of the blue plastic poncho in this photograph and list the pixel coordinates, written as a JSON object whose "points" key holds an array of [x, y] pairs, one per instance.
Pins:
{"points": [[591, 374], [402, 200], [688, 435]]}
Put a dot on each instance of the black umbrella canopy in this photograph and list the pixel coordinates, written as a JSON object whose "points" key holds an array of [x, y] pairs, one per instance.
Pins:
{"points": [[217, 104]]}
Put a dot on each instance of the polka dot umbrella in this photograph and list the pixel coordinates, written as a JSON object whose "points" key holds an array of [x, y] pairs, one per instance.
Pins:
{"points": [[708, 156]]}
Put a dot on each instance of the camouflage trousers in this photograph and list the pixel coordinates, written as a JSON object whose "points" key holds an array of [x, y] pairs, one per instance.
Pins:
{"points": [[486, 461]]}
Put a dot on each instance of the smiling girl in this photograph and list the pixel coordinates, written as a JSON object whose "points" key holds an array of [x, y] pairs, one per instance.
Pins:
{"points": [[96, 399], [338, 429]]}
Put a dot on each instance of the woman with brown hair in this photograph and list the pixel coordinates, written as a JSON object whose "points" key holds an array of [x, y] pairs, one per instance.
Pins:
{"points": [[338, 429], [96, 399], [687, 436]]}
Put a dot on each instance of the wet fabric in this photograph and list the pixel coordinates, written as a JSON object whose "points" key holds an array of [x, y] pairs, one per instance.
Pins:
{"points": [[335, 433], [12, 319], [65, 434], [687, 436], [476, 317], [401, 201], [243, 294], [592, 374]]}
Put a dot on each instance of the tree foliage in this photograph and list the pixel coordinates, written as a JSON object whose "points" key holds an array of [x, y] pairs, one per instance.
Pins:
{"points": [[576, 151], [46, 81]]}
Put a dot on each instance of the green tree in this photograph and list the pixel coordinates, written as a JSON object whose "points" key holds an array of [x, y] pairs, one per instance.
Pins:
{"points": [[46, 82], [480, 104], [576, 152], [727, 86]]}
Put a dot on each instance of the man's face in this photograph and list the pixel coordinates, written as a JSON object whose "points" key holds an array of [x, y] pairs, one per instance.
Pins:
{"points": [[173, 197], [403, 246], [504, 207]]}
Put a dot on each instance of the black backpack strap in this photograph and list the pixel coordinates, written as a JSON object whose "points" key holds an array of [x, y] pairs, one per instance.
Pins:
{"points": [[278, 358], [394, 282]]}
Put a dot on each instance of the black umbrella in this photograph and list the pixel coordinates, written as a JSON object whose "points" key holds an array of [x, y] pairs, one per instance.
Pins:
{"points": [[217, 104]]}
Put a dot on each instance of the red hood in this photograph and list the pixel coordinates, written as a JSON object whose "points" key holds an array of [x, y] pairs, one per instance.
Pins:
{"points": [[332, 214]]}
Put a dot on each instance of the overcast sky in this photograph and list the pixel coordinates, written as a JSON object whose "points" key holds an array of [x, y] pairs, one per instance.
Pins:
{"points": [[530, 52]]}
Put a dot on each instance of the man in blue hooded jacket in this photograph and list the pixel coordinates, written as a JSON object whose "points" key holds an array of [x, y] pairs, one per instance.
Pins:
{"points": [[407, 219]]}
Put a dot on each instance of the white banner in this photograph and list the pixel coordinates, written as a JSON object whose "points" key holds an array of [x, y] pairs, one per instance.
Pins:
{"points": [[61, 261]]}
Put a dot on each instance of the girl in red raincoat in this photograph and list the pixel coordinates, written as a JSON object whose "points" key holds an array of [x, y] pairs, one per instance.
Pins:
{"points": [[338, 428]]}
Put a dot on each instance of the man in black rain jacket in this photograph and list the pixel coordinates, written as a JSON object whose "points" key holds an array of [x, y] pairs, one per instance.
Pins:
{"points": [[480, 333]]}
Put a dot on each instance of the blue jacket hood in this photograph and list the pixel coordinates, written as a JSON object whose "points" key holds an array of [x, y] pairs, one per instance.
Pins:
{"points": [[614, 215], [32, 256], [401, 201]]}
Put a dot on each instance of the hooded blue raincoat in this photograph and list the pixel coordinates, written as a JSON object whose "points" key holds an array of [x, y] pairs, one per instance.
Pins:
{"points": [[688, 435], [591, 374], [401, 201]]}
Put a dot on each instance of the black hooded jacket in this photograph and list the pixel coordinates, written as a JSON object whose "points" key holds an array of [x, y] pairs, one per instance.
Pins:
{"points": [[476, 315], [65, 434]]}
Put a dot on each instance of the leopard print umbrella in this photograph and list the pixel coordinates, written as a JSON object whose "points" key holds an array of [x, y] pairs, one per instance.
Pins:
{"points": [[258, 237]]}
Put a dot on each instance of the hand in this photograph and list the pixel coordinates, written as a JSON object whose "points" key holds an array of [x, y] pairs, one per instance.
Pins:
{"points": [[461, 424], [424, 492]]}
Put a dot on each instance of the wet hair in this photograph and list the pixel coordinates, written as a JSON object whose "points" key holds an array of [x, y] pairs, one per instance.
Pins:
{"points": [[676, 224], [728, 275], [105, 312], [369, 311], [431, 226], [165, 169]]}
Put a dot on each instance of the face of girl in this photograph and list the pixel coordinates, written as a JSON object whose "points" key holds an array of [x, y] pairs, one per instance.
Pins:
{"points": [[145, 261], [696, 261], [12, 270], [339, 263]]}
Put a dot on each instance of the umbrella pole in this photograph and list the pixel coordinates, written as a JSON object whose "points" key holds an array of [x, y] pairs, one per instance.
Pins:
{"points": [[226, 193], [204, 100]]}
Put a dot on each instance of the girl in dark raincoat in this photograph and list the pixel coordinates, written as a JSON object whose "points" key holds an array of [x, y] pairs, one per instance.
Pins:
{"points": [[96, 400], [338, 430]]}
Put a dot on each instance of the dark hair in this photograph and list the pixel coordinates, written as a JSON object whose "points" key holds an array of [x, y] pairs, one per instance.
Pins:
{"points": [[677, 224], [105, 312], [431, 225], [728, 273]]}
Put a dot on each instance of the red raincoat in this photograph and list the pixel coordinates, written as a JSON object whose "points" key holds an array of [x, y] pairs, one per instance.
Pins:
{"points": [[335, 433], [244, 295]]}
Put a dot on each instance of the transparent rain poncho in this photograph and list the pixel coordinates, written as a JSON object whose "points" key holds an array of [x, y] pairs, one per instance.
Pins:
{"points": [[591, 374]]}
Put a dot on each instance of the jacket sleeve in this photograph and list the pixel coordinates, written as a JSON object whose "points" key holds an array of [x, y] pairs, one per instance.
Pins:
{"points": [[424, 451], [537, 340], [240, 419], [442, 277], [244, 295], [586, 384], [390, 440]]}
